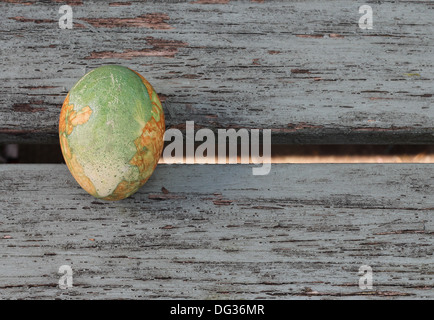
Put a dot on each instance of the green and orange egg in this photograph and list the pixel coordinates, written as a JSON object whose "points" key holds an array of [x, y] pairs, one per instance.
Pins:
{"points": [[111, 130]]}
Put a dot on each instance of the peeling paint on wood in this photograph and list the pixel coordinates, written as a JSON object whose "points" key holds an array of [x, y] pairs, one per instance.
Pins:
{"points": [[160, 48], [251, 64], [156, 21], [303, 231]]}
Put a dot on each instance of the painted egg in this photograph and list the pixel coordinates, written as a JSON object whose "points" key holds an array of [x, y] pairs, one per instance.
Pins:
{"points": [[111, 131]]}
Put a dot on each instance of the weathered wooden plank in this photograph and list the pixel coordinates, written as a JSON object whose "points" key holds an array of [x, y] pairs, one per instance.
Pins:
{"points": [[302, 68], [217, 231]]}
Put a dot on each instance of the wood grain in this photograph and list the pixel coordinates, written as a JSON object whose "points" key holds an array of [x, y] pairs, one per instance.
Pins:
{"points": [[302, 68], [217, 232]]}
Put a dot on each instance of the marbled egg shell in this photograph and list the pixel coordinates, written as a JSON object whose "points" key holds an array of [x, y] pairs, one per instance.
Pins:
{"points": [[111, 131]]}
